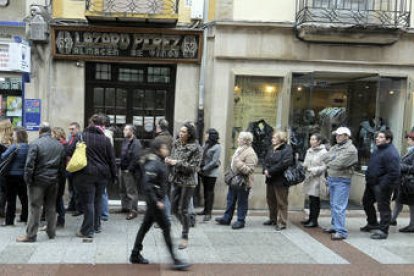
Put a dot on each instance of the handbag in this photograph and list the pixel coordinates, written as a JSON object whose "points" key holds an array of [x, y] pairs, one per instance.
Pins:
{"points": [[234, 180], [5, 164], [79, 159], [407, 184], [294, 174]]}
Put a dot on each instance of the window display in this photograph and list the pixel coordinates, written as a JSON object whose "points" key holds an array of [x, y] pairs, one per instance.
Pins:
{"points": [[254, 110], [11, 104], [323, 101]]}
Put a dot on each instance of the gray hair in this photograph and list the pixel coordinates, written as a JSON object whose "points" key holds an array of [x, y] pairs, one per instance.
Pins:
{"points": [[45, 128], [247, 137], [163, 124]]}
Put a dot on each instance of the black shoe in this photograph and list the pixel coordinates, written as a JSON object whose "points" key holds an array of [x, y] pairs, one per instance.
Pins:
{"points": [[379, 235], [138, 259], [407, 229], [369, 228], [393, 223], [180, 265], [98, 230], [76, 214], [311, 224], [222, 221], [60, 224], [238, 225], [269, 222], [202, 213], [207, 218], [279, 228], [329, 230], [303, 222]]}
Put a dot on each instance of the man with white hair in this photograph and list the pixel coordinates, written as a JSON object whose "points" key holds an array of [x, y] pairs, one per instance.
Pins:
{"points": [[45, 165], [340, 161]]}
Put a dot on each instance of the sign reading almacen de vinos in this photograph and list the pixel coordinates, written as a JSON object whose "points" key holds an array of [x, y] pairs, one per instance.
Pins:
{"points": [[126, 44]]}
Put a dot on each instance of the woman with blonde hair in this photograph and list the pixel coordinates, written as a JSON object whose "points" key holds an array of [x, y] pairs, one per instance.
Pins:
{"points": [[59, 134], [278, 158], [6, 139], [243, 162]]}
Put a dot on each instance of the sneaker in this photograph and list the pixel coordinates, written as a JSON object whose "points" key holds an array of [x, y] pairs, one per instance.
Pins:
{"points": [[222, 221], [337, 237], [132, 215], [25, 238], [379, 235], [369, 228], [329, 230], [138, 259], [84, 237], [183, 244], [180, 265]]}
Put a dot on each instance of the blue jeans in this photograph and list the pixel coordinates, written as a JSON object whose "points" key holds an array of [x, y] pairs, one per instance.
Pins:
{"points": [[339, 189], [241, 197], [105, 205]]}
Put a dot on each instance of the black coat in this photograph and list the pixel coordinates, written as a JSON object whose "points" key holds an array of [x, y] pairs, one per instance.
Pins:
{"points": [[262, 138], [155, 178], [100, 154], [45, 163], [131, 150], [276, 162], [407, 167], [384, 166]]}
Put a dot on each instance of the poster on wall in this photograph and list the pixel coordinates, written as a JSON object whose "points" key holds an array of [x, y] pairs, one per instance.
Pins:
{"points": [[32, 111], [149, 124], [14, 106], [137, 120]]}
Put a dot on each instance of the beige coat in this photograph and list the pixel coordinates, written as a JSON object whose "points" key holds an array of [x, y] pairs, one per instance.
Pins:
{"points": [[244, 161], [315, 170]]}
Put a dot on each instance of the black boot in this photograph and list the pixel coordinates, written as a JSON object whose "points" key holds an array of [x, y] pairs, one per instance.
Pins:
{"points": [[313, 212], [137, 258]]}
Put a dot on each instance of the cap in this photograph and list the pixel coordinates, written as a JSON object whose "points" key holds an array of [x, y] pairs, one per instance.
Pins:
{"points": [[410, 135], [342, 130]]}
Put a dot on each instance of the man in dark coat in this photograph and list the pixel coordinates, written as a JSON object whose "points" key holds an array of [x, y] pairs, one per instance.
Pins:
{"points": [[382, 176], [45, 165], [131, 149]]}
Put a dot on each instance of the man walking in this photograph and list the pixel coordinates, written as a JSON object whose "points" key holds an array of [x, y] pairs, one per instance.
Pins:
{"points": [[381, 177], [131, 148], [45, 165], [340, 161]]}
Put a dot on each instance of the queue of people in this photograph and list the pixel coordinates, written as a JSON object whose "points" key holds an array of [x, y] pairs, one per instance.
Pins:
{"points": [[170, 170]]}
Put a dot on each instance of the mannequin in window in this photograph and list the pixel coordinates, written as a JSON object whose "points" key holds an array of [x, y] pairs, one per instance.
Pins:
{"points": [[366, 138], [262, 137]]}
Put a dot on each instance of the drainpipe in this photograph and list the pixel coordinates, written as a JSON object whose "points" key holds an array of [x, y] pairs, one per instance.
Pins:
{"points": [[201, 86]]}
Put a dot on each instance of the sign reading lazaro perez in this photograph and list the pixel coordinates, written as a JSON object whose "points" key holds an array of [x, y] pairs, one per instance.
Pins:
{"points": [[126, 44]]}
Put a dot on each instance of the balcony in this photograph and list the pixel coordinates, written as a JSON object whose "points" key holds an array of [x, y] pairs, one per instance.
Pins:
{"points": [[151, 11], [352, 21]]}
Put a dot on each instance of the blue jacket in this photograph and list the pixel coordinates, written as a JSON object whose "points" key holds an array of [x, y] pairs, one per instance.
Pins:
{"points": [[384, 166], [18, 163]]}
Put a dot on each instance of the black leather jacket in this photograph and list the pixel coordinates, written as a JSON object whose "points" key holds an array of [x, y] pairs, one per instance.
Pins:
{"points": [[276, 162], [155, 178], [45, 162]]}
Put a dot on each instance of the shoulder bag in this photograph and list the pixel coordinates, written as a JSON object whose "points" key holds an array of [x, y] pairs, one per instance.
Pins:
{"points": [[79, 160], [294, 174], [5, 164], [234, 180]]}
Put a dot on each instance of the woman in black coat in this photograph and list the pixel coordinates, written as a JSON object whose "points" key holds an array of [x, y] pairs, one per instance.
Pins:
{"points": [[278, 159], [407, 170]]}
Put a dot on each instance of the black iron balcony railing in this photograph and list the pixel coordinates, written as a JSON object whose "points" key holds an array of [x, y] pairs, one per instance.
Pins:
{"points": [[382, 13], [163, 10]]}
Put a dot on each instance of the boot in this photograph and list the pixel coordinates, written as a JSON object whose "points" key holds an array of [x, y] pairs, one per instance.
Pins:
{"points": [[138, 259], [313, 212]]}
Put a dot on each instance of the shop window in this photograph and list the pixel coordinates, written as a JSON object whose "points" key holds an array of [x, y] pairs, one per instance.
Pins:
{"points": [[102, 71], [158, 74], [129, 74], [254, 110], [321, 102], [11, 100]]}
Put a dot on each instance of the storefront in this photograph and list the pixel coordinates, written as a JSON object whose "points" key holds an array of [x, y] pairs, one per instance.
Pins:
{"points": [[14, 69], [281, 83]]}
